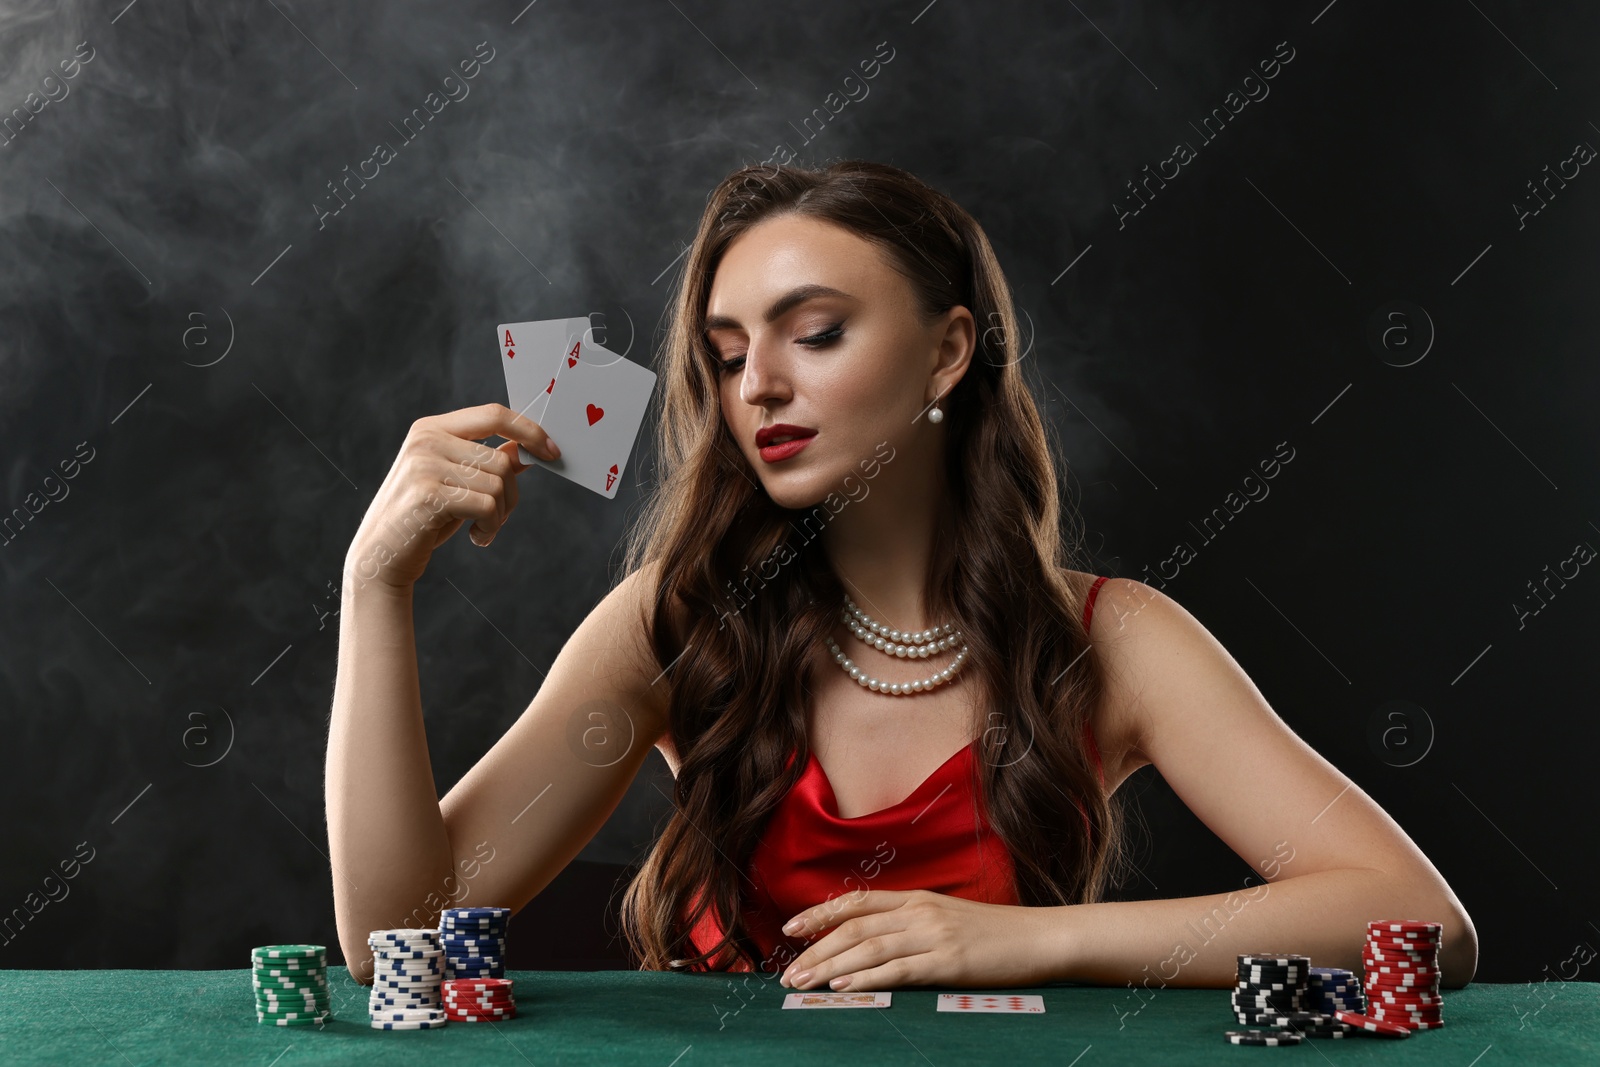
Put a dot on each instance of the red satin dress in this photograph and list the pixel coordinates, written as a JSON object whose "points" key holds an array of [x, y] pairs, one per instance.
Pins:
{"points": [[936, 839]]}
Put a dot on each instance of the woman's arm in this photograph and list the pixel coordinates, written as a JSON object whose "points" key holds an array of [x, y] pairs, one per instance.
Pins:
{"points": [[400, 854], [1330, 859], [390, 853]]}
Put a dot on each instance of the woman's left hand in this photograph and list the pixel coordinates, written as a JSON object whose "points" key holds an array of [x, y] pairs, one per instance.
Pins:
{"points": [[883, 939]]}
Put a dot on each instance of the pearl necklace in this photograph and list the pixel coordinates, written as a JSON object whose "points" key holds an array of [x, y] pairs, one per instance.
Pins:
{"points": [[919, 645]]}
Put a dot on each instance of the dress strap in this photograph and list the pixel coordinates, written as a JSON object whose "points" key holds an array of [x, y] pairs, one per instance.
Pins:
{"points": [[1088, 605]]}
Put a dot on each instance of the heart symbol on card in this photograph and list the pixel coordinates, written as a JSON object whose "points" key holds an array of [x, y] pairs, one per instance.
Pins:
{"points": [[595, 414], [551, 386], [572, 357]]}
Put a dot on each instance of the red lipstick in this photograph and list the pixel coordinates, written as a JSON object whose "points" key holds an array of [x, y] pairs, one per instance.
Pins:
{"points": [[769, 440]]}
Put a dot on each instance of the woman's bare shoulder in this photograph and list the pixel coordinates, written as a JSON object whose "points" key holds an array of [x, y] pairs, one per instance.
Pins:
{"points": [[1115, 725], [642, 586]]}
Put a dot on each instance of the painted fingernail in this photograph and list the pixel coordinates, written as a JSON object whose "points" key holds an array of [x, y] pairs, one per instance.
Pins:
{"points": [[840, 982], [801, 979], [792, 926]]}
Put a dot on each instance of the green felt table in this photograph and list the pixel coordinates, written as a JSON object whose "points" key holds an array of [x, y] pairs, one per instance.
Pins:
{"points": [[134, 1018]]}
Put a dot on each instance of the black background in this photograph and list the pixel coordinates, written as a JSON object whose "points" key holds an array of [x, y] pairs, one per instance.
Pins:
{"points": [[175, 607]]}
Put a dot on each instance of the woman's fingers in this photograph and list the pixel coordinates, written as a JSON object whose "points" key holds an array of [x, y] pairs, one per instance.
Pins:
{"points": [[483, 533]]}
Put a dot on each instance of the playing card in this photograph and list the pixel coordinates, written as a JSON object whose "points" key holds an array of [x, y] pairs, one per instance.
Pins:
{"points": [[1031, 1004], [530, 353], [594, 414], [837, 1000]]}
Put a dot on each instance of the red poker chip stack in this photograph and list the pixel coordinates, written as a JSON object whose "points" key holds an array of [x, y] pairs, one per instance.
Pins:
{"points": [[1401, 964], [478, 1000]]}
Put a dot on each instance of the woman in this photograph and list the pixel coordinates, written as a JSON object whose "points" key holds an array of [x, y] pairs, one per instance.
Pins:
{"points": [[847, 446]]}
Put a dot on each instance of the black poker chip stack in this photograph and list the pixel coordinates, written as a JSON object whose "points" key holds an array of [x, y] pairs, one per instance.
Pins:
{"points": [[1277, 992], [1271, 986]]}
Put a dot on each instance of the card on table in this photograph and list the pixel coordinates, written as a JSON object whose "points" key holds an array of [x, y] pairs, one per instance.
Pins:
{"points": [[530, 355], [593, 414], [1027, 1003], [837, 1000]]}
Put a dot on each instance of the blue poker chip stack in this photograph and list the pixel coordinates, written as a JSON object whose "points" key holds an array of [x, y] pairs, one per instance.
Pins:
{"points": [[1331, 989], [474, 942]]}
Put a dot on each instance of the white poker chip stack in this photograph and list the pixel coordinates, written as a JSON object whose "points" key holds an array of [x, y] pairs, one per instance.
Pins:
{"points": [[407, 966]]}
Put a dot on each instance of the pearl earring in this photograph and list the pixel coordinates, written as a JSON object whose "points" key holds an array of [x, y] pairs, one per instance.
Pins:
{"points": [[935, 415]]}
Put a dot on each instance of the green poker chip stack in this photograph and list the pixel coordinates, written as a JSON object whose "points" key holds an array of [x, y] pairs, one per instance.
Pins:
{"points": [[291, 984]]}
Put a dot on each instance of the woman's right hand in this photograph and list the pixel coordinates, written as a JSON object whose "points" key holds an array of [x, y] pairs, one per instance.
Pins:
{"points": [[442, 477]]}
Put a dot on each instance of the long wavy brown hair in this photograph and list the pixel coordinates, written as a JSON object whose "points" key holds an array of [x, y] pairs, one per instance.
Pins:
{"points": [[743, 600]]}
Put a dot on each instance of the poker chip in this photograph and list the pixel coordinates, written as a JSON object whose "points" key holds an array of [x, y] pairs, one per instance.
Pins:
{"points": [[406, 987], [289, 984], [1261, 1037], [1378, 974], [410, 1024], [409, 1015], [1408, 1021], [496, 948], [404, 935], [1404, 1016], [479, 997], [1404, 926], [483, 1009], [1253, 960], [290, 952], [271, 968], [1381, 937], [1381, 996], [1311, 1024], [398, 969], [309, 1014], [291, 1000], [477, 987], [1371, 1025], [1380, 1007]]}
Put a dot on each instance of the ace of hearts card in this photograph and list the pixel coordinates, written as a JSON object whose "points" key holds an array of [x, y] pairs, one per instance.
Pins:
{"points": [[595, 407]]}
